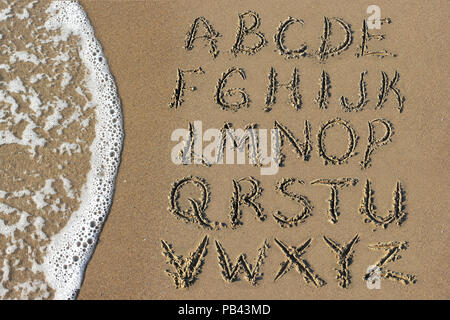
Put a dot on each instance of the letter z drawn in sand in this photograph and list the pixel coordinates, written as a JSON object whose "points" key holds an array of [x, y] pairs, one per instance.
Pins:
{"points": [[392, 249]]}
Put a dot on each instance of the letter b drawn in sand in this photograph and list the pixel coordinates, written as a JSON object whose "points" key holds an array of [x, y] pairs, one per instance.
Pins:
{"points": [[230, 273], [245, 30], [186, 269], [293, 255]]}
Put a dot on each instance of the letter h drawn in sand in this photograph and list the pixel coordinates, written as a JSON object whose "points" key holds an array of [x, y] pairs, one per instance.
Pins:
{"points": [[293, 255], [186, 269]]}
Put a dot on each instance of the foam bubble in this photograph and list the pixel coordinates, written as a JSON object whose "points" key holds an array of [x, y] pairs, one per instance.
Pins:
{"points": [[70, 250]]}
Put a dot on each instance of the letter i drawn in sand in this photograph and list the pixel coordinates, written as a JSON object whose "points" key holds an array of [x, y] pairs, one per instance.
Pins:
{"points": [[186, 269]]}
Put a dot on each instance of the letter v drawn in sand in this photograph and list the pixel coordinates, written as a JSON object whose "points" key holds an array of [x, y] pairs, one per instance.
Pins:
{"points": [[186, 269], [293, 255], [344, 256]]}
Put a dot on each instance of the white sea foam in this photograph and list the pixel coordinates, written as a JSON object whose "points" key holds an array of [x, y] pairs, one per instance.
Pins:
{"points": [[70, 250]]}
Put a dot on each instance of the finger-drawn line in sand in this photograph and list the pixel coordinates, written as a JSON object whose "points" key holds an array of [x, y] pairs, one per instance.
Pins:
{"points": [[221, 93], [187, 154], [326, 49], [293, 255], [239, 140], [374, 143], [324, 94], [244, 30], [385, 89], [350, 106], [333, 209], [196, 213], [392, 249], [186, 269], [366, 37], [302, 150], [280, 40], [231, 273], [293, 86], [304, 202], [178, 93], [352, 142], [210, 35], [239, 199], [397, 213], [344, 256]]}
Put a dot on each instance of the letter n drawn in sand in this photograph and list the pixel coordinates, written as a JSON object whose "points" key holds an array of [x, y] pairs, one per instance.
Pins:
{"points": [[230, 273], [392, 249], [186, 269], [344, 256], [293, 255]]}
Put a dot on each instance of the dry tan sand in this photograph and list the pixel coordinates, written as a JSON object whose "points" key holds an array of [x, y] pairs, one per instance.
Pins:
{"points": [[144, 43]]}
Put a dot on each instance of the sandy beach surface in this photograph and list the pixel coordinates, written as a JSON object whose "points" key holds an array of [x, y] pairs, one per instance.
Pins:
{"points": [[144, 42]]}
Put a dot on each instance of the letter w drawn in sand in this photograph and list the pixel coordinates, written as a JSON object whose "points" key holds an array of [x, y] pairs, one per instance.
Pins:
{"points": [[344, 255], [392, 254], [230, 273], [293, 255], [186, 269]]}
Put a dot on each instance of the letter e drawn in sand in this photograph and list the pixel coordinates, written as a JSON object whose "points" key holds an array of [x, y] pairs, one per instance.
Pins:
{"points": [[293, 255], [397, 213], [392, 254], [344, 256], [304, 202], [186, 269], [230, 273]]}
